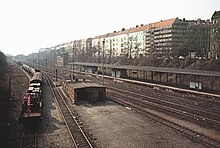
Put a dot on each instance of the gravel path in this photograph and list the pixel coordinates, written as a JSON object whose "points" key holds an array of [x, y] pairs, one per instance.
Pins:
{"points": [[112, 125], [53, 132]]}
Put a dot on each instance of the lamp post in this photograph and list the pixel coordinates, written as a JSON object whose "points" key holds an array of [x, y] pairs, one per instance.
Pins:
{"points": [[73, 60], [38, 61], [103, 56], [33, 60], [54, 62], [46, 62], [103, 61]]}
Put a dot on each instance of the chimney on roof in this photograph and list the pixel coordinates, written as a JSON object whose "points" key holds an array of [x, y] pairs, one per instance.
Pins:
{"points": [[137, 26], [142, 24], [161, 20], [114, 31], [123, 29], [184, 19], [208, 20]]}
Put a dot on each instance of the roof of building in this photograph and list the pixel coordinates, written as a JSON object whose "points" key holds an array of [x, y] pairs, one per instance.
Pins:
{"points": [[100, 36], [84, 84], [156, 69], [137, 29], [162, 23], [112, 34], [123, 31], [216, 15]]}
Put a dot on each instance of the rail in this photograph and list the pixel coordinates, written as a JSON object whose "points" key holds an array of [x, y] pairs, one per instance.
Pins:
{"points": [[144, 110], [78, 136]]}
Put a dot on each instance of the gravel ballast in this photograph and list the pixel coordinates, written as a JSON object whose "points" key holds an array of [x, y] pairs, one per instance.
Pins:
{"points": [[113, 125]]}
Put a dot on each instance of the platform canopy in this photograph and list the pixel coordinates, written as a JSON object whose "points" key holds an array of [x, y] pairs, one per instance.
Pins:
{"points": [[154, 69]]}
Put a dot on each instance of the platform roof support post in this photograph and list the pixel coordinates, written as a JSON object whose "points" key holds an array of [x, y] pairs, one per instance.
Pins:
{"points": [[212, 83], [152, 76], [129, 73], [103, 55], [160, 77], [176, 79], [198, 82], [145, 75]]}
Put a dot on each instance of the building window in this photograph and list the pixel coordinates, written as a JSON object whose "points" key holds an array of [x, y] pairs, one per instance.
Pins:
{"points": [[213, 30]]}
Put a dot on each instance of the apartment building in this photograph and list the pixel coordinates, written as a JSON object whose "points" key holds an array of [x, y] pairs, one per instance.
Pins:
{"points": [[197, 37], [97, 44], [215, 35], [164, 39], [136, 41], [127, 42], [175, 37], [122, 38], [110, 45], [159, 38], [85, 44], [89, 47], [115, 43]]}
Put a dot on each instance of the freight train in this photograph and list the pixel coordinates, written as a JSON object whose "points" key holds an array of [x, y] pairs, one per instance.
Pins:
{"points": [[32, 100]]}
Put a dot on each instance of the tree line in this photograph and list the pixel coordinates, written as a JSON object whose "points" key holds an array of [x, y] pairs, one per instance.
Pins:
{"points": [[3, 64]]}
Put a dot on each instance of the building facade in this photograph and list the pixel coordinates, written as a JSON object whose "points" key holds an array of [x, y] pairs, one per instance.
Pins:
{"points": [[176, 37], [136, 41], [97, 44], [215, 35], [171, 38], [127, 42]]}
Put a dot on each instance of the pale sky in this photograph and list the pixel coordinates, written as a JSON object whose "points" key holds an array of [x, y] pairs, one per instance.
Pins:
{"points": [[28, 25]]}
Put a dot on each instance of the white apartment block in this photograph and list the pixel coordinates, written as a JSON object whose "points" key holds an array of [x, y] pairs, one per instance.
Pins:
{"points": [[83, 45], [136, 42], [122, 39], [125, 42], [160, 39], [97, 44]]}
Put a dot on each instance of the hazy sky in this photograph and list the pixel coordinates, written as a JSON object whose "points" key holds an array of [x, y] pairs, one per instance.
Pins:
{"points": [[28, 25]]}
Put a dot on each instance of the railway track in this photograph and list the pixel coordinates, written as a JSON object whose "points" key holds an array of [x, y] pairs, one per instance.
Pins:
{"points": [[29, 139], [140, 107], [199, 116], [202, 117], [79, 138]]}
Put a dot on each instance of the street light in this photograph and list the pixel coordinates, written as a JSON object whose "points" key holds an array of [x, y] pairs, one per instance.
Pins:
{"points": [[73, 61], [38, 61], [46, 63], [54, 52], [103, 61], [103, 56], [33, 60]]}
